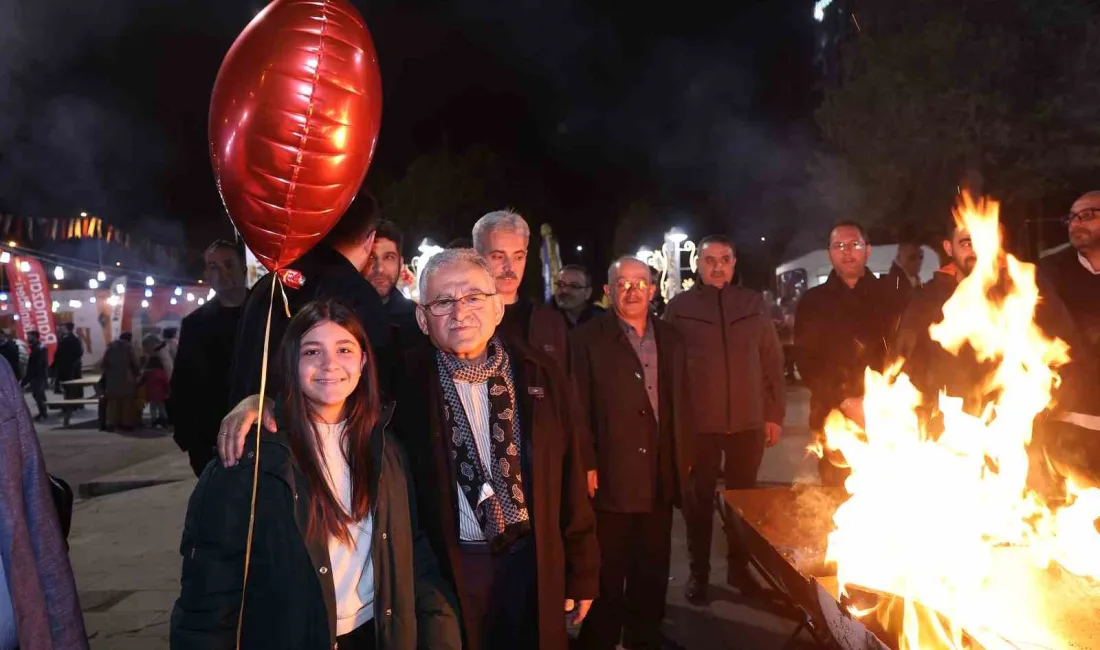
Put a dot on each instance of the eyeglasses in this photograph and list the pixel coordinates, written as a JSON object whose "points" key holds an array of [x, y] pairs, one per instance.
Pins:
{"points": [[842, 246], [447, 306], [627, 285], [572, 285], [1084, 216]]}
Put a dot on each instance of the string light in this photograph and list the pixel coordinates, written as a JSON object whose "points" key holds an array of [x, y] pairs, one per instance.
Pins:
{"points": [[210, 296], [56, 305], [148, 293], [15, 316], [144, 304], [92, 300], [55, 285], [112, 301], [12, 244], [173, 301], [5, 257], [93, 284], [3, 297], [75, 304], [190, 297], [118, 263], [120, 289], [148, 280], [101, 276], [201, 302], [59, 273], [25, 266], [178, 291]]}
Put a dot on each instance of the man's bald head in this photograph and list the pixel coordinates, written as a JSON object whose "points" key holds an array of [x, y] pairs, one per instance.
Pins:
{"points": [[1083, 222]]}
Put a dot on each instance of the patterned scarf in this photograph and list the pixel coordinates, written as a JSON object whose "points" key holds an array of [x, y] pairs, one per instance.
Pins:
{"points": [[503, 513]]}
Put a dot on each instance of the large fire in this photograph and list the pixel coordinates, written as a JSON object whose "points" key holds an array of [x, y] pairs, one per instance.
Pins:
{"points": [[945, 528]]}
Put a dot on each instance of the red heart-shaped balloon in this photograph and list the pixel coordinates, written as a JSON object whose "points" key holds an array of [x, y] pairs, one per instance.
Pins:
{"points": [[294, 120]]}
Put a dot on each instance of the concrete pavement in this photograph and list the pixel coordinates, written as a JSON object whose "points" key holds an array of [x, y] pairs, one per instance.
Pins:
{"points": [[124, 547]]}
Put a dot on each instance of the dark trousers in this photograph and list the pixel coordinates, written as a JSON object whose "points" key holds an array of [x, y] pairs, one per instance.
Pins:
{"points": [[361, 638], [38, 391], [635, 551], [500, 597], [743, 452]]}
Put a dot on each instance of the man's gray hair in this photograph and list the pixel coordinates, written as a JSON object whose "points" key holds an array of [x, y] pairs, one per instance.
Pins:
{"points": [[507, 220], [447, 258], [611, 270]]}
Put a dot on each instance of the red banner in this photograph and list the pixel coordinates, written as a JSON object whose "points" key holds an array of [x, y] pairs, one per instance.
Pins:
{"points": [[30, 298]]}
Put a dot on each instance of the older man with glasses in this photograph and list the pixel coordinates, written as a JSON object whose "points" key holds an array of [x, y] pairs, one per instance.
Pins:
{"points": [[841, 328], [630, 371]]}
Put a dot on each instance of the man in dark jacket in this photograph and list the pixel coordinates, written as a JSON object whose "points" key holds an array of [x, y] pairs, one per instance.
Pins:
{"points": [[738, 393], [383, 272], [68, 360], [630, 371], [38, 373], [332, 269], [38, 601], [200, 378], [841, 328], [1074, 274], [933, 369], [9, 350], [502, 238], [516, 540], [904, 272]]}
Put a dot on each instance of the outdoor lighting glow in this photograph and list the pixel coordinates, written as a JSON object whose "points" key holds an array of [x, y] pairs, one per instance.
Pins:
{"points": [[5, 257], [27, 304], [190, 297], [819, 9], [201, 302], [15, 316], [120, 289], [580, 248], [676, 236], [643, 254], [118, 263], [101, 276], [83, 214], [148, 293], [428, 248], [93, 284], [178, 291], [3, 297], [55, 285], [173, 301], [148, 280], [763, 239], [75, 304], [25, 267], [12, 244], [59, 273], [55, 306], [210, 296], [200, 281], [112, 301], [144, 304], [92, 300]]}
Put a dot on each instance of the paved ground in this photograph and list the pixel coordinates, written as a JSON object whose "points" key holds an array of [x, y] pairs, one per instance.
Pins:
{"points": [[125, 546]]}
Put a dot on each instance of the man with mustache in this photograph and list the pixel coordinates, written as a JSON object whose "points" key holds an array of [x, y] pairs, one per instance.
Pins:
{"points": [[843, 327], [502, 238], [738, 396], [630, 370]]}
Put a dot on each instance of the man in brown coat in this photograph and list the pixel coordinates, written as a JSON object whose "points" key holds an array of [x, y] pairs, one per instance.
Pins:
{"points": [[738, 393], [502, 238], [630, 371]]}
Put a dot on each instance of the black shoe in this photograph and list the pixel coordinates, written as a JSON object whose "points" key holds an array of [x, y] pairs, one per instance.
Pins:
{"points": [[695, 592]]}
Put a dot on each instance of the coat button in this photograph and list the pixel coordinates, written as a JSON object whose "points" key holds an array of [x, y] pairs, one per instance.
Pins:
{"points": [[389, 612], [641, 449], [251, 454], [385, 535], [642, 412], [324, 570]]}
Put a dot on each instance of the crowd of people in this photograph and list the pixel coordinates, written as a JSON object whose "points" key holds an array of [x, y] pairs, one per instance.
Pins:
{"points": [[479, 470]]}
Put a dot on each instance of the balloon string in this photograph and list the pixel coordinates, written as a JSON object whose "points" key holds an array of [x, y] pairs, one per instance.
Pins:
{"points": [[256, 467]]}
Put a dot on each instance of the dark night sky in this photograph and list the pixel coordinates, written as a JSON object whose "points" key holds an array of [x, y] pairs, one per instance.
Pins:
{"points": [[700, 107]]}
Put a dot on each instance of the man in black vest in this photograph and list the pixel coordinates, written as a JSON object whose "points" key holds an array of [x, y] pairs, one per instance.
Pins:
{"points": [[630, 370]]}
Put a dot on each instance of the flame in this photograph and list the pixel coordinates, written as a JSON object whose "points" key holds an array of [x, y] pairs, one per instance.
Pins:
{"points": [[932, 522]]}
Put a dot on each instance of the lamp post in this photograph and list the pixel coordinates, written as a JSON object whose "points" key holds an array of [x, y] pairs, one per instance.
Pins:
{"points": [[427, 250]]}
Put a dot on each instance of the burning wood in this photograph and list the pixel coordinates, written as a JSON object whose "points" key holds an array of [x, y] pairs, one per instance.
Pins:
{"points": [[941, 522]]}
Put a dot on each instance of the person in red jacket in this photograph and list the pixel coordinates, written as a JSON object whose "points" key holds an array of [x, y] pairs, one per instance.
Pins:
{"points": [[154, 377]]}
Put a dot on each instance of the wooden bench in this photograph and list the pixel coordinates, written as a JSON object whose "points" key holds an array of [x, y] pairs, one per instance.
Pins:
{"points": [[68, 406]]}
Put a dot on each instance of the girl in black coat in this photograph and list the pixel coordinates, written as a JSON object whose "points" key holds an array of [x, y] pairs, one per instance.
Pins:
{"points": [[336, 557]]}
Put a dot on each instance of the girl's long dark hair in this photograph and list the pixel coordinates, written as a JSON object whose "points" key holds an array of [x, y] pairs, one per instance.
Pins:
{"points": [[326, 515]]}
